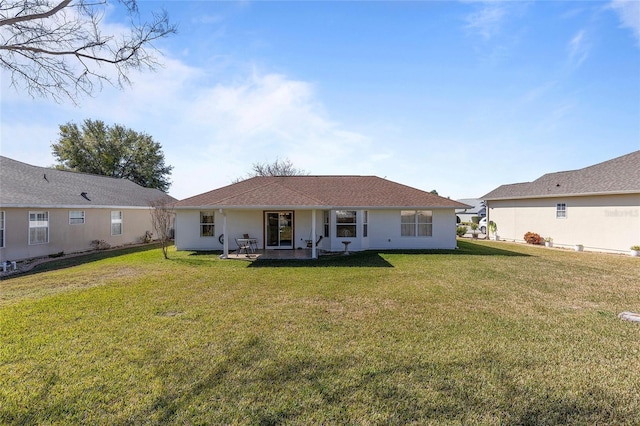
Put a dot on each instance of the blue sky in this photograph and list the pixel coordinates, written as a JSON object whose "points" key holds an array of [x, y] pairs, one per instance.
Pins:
{"points": [[455, 96]]}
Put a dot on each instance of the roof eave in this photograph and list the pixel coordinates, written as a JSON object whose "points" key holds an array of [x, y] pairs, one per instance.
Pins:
{"points": [[317, 207], [71, 206], [558, 195]]}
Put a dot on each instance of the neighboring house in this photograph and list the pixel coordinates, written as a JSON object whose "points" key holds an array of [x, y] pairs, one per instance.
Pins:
{"points": [[598, 206], [477, 209], [45, 211], [291, 212]]}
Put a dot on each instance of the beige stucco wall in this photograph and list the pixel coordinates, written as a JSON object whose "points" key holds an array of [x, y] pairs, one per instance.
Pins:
{"points": [[608, 223], [67, 238]]}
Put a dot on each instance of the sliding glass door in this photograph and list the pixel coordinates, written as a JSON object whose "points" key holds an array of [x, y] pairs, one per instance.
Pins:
{"points": [[279, 230]]}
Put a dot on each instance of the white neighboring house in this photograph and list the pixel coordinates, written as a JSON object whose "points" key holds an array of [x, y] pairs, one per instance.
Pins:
{"points": [[45, 211], [597, 206], [292, 212]]}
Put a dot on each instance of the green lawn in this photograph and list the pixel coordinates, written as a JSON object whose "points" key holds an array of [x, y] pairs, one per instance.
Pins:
{"points": [[493, 333]]}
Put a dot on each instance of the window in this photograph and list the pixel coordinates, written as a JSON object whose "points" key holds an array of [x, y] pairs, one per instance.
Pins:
{"points": [[76, 217], [346, 223], [116, 223], [207, 226], [561, 211], [325, 219], [365, 223], [416, 223], [1, 229], [38, 227]]}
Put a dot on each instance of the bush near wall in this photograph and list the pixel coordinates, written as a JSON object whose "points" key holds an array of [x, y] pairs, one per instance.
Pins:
{"points": [[533, 238]]}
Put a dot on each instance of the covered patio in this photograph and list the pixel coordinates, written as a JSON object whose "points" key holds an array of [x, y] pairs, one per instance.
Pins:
{"points": [[299, 254]]}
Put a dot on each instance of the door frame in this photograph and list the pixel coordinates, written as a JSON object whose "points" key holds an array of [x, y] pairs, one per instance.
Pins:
{"points": [[266, 230]]}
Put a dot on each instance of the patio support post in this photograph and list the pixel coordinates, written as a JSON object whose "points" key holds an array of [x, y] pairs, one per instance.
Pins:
{"points": [[314, 251], [225, 242]]}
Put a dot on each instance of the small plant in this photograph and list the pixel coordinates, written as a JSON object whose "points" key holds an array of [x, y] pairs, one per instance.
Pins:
{"points": [[474, 229], [548, 240], [461, 230], [635, 248], [100, 245], [54, 255], [533, 238], [493, 227]]}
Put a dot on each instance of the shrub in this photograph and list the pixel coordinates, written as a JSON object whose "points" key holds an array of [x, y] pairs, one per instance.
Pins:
{"points": [[147, 238], [100, 245], [461, 230], [533, 238]]}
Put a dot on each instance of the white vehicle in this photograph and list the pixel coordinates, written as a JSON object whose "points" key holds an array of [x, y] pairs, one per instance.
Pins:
{"points": [[482, 225]]}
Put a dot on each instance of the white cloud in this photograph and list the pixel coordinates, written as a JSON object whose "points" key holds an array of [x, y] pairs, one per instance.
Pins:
{"points": [[269, 116], [578, 48], [211, 132], [539, 92], [487, 20], [629, 14]]}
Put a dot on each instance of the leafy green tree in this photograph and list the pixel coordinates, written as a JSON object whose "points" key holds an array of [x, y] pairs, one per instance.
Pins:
{"points": [[114, 151]]}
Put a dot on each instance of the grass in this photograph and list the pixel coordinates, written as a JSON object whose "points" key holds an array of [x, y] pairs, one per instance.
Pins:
{"points": [[493, 333]]}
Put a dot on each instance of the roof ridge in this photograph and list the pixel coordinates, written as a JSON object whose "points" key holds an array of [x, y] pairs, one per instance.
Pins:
{"points": [[73, 172]]}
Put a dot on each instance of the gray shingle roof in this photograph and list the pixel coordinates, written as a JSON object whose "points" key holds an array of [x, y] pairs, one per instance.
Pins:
{"points": [[24, 185], [318, 192], [477, 206], [617, 176]]}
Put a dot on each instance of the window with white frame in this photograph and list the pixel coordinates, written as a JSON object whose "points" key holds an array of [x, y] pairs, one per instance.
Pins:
{"points": [[416, 223], [325, 220], [561, 211], [1, 229], [365, 224], [346, 223], [38, 227], [207, 224], [116, 222], [76, 217]]}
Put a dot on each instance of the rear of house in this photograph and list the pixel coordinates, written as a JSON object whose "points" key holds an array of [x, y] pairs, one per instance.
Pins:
{"points": [[295, 212], [597, 206], [45, 211]]}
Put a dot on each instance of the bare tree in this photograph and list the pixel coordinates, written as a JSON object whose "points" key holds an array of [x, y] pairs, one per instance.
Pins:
{"points": [[277, 168], [162, 219], [58, 48]]}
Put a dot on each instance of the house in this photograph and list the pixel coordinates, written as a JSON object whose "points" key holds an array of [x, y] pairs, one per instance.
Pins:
{"points": [[477, 209], [293, 212], [597, 206], [45, 211]]}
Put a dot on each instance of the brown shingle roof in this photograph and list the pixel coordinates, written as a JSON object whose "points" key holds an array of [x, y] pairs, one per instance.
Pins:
{"points": [[617, 176], [318, 192]]}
